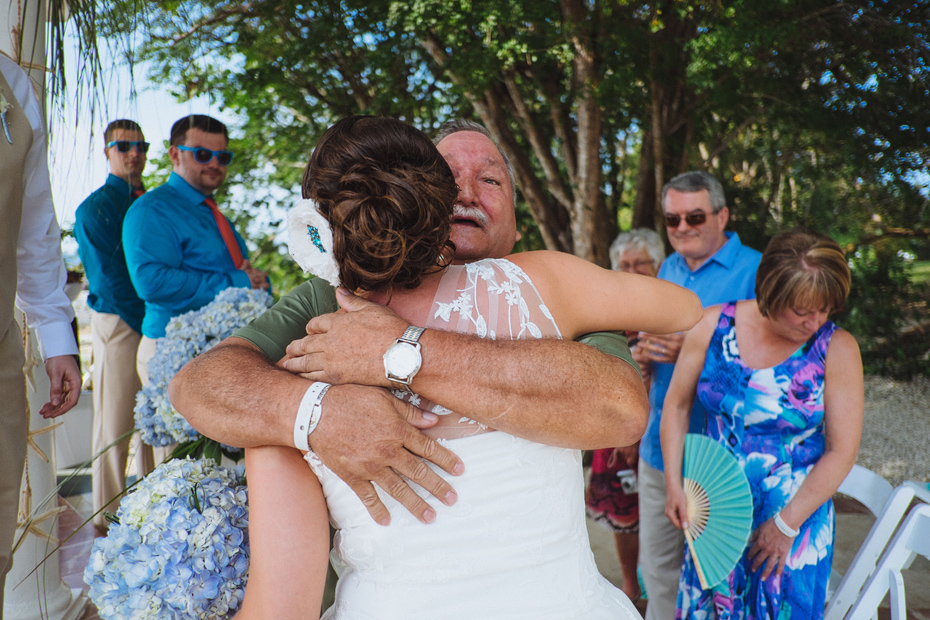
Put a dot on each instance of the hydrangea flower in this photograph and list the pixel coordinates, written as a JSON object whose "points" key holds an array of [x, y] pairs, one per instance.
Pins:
{"points": [[180, 550], [187, 336]]}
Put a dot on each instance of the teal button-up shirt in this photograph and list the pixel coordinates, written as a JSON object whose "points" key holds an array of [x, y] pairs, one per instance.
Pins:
{"points": [[98, 228], [176, 256]]}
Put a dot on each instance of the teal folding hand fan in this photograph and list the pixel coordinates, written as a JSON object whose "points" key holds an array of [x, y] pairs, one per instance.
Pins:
{"points": [[719, 506]]}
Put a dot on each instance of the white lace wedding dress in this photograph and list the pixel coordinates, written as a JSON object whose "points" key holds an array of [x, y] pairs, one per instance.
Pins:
{"points": [[514, 546]]}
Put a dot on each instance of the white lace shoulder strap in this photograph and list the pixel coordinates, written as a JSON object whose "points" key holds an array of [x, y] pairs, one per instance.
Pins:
{"points": [[492, 298]]}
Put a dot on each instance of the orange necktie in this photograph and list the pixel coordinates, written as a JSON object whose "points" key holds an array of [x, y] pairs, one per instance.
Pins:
{"points": [[226, 232], [138, 191]]}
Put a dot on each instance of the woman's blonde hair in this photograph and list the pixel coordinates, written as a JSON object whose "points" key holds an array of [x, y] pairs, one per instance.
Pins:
{"points": [[802, 268]]}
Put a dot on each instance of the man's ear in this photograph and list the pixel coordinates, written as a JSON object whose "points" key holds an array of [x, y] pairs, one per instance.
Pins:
{"points": [[723, 216], [175, 154]]}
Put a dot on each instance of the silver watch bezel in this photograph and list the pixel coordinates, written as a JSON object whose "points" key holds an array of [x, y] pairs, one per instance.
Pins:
{"points": [[407, 342]]}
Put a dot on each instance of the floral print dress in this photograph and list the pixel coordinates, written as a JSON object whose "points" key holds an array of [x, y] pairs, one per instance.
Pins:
{"points": [[771, 420]]}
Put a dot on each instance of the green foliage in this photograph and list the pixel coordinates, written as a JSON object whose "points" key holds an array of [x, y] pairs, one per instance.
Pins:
{"points": [[811, 113], [920, 272], [883, 301]]}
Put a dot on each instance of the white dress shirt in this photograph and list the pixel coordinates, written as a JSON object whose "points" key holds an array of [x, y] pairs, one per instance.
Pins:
{"points": [[41, 271]]}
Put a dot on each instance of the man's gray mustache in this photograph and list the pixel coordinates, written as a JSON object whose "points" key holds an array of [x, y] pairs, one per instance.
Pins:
{"points": [[471, 213]]}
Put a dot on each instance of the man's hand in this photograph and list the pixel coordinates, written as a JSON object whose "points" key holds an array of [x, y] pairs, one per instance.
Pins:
{"points": [[65, 378], [367, 435], [630, 455], [661, 347], [347, 347], [257, 277]]}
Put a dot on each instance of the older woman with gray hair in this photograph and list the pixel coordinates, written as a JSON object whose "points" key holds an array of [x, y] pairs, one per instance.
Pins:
{"points": [[611, 498]]}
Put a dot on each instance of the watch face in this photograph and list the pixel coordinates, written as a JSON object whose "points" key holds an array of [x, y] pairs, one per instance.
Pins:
{"points": [[402, 360]]}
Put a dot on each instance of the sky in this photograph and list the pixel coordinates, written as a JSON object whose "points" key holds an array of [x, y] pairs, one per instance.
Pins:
{"points": [[77, 164]]}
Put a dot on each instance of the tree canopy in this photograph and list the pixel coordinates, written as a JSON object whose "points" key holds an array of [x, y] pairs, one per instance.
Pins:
{"points": [[810, 112]]}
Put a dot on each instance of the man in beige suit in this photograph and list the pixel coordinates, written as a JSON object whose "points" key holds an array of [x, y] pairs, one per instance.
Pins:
{"points": [[116, 323], [32, 276]]}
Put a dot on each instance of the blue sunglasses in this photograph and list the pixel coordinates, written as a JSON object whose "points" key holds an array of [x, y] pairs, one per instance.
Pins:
{"points": [[203, 156], [123, 146]]}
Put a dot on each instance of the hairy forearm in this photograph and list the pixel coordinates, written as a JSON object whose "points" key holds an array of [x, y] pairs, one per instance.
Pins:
{"points": [[225, 394], [551, 391]]}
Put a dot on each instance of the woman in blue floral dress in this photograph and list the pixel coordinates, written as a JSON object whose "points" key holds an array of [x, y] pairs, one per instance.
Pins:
{"points": [[783, 391]]}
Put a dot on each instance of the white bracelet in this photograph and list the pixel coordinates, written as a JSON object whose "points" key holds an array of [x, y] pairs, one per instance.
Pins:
{"points": [[783, 527], [308, 414]]}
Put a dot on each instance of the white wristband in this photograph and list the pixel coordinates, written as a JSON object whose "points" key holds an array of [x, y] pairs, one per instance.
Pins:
{"points": [[783, 527], [308, 414]]}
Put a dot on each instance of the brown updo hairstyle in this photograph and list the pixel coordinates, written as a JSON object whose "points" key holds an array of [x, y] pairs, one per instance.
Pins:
{"points": [[802, 269], [388, 195]]}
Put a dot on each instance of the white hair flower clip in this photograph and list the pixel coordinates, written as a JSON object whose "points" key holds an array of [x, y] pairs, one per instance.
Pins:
{"points": [[310, 241]]}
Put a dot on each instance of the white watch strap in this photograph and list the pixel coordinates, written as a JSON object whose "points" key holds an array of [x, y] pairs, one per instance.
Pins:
{"points": [[308, 414]]}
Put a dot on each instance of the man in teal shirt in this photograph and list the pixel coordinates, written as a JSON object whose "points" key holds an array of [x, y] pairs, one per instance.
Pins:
{"points": [[181, 251], [116, 322]]}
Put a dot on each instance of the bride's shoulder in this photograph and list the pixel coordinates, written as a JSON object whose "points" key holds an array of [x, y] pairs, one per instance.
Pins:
{"points": [[546, 264], [544, 259]]}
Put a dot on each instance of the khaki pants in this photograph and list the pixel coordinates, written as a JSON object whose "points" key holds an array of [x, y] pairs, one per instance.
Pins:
{"points": [[115, 386], [661, 546], [14, 423], [145, 353]]}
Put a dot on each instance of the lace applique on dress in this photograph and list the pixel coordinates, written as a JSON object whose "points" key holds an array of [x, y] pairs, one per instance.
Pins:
{"points": [[486, 298], [492, 296]]}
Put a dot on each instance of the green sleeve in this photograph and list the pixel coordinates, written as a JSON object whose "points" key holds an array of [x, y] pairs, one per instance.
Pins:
{"points": [[611, 343], [286, 321]]}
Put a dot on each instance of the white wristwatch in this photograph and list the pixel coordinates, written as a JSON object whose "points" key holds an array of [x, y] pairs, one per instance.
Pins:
{"points": [[402, 360]]}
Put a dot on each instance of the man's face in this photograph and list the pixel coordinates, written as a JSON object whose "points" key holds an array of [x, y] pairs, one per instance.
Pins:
{"points": [[205, 178], [127, 165], [484, 224], [699, 242]]}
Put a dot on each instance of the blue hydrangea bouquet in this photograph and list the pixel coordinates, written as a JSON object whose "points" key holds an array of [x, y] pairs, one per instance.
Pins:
{"points": [[186, 337], [180, 548]]}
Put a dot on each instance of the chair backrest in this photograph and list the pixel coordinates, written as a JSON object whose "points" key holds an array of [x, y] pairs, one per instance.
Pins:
{"points": [[867, 488], [889, 517], [912, 539]]}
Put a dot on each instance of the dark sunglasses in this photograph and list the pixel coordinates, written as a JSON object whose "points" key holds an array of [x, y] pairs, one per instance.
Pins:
{"points": [[672, 220], [203, 156], [123, 146]]}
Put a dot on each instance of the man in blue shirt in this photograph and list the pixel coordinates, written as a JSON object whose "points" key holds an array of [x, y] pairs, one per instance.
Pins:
{"points": [[718, 268], [181, 251], [116, 322]]}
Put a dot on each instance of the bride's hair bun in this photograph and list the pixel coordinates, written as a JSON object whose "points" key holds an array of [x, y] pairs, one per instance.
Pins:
{"points": [[388, 195]]}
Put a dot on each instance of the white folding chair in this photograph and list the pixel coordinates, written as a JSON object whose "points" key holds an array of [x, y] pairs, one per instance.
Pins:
{"points": [[872, 491], [912, 539], [861, 484], [867, 488]]}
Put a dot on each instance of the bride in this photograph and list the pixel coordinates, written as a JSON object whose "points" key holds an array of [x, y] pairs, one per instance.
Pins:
{"points": [[514, 545]]}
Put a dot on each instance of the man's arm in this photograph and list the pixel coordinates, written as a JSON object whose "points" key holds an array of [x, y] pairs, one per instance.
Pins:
{"points": [[551, 391], [366, 435], [155, 260]]}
